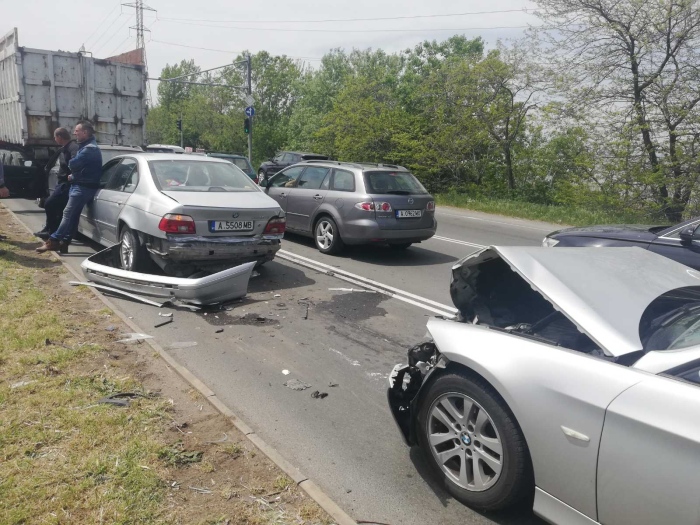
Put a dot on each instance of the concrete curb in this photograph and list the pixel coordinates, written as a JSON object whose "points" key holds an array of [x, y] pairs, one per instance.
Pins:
{"points": [[308, 486]]}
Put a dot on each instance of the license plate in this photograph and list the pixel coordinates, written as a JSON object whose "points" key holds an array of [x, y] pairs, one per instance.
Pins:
{"points": [[403, 214], [230, 226]]}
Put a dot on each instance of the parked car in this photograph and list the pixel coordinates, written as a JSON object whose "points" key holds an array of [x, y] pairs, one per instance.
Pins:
{"points": [[339, 203], [186, 213], [23, 176], [281, 161], [164, 148], [680, 242], [572, 375], [239, 160]]}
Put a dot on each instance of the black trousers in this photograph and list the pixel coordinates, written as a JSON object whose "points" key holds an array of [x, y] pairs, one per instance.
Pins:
{"points": [[54, 206]]}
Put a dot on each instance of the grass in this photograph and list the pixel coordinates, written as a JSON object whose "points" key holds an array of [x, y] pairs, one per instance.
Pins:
{"points": [[66, 458], [564, 215], [63, 457]]}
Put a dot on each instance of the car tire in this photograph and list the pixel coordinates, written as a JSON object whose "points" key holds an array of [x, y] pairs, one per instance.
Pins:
{"points": [[133, 255], [501, 476], [400, 245], [327, 236]]}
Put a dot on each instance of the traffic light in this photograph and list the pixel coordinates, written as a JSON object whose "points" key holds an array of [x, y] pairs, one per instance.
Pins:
{"points": [[246, 125], [179, 124]]}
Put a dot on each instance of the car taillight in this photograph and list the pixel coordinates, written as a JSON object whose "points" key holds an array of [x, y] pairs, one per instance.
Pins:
{"points": [[365, 206], [276, 226], [382, 206], [172, 223], [430, 206]]}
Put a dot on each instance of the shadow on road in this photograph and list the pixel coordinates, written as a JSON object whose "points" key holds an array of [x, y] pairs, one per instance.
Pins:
{"points": [[381, 254], [521, 515]]}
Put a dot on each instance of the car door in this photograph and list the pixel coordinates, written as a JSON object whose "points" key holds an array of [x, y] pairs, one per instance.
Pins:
{"points": [[111, 200], [89, 224], [280, 185], [276, 164], [649, 460], [305, 198], [685, 252]]}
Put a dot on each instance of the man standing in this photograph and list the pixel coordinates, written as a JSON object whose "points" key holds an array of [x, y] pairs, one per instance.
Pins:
{"points": [[86, 170], [56, 203]]}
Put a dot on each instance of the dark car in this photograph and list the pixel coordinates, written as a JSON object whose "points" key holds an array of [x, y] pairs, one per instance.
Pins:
{"points": [[680, 242], [23, 175], [281, 161], [237, 160]]}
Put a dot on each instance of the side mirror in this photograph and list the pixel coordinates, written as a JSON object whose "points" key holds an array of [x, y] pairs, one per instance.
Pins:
{"points": [[690, 234], [27, 163]]}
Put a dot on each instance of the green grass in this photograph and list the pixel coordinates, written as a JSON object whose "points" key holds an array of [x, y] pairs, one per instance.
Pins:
{"points": [[563, 215]]}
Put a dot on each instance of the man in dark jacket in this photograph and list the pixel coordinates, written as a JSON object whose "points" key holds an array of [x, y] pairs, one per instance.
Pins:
{"points": [[56, 203], [86, 171]]}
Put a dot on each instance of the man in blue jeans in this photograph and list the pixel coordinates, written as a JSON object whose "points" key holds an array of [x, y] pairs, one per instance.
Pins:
{"points": [[86, 170]]}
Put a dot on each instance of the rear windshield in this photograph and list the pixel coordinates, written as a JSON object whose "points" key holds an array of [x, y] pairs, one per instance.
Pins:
{"points": [[190, 175], [393, 182]]}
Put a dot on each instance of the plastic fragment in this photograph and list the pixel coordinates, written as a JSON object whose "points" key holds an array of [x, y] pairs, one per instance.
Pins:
{"points": [[134, 336]]}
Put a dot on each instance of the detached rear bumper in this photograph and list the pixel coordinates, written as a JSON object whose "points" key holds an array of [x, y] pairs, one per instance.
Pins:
{"points": [[216, 288]]}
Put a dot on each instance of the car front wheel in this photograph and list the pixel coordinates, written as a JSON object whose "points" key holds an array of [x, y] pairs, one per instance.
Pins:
{"points": [[327, 236], [132, 254], [473, 442]]}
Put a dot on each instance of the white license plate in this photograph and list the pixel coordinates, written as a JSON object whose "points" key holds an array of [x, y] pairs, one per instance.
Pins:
{"points": [[230, 226], [403, 214]]}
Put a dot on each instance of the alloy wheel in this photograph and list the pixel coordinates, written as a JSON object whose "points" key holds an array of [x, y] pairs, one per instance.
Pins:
{"points": [[324, 234], [464, 442], [126, 252]]}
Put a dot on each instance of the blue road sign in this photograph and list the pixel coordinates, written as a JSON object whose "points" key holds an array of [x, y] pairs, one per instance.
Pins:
{"points": [[250, 111]]}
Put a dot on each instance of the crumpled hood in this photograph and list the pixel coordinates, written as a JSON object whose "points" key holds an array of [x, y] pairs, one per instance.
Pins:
{"points": [[603, 291], [636, 232]]}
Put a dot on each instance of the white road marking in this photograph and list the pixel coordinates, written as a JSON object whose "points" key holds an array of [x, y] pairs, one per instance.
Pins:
{"points": [[457, 241], [407, 297], [514, 223]]}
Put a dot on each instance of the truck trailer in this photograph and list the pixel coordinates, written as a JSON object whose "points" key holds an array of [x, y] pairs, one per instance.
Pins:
{"points": [[42, 90]]}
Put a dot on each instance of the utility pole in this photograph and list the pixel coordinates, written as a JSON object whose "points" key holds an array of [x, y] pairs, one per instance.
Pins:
{"points": [[249, 91], [140, 41], [179, 125]]}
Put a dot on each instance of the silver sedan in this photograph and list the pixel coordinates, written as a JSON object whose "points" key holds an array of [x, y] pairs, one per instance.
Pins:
{"points": [[186, 214], [570, 380]]}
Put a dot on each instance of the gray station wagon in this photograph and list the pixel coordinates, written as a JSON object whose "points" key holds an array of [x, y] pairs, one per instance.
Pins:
{"points": [[339, 203]]}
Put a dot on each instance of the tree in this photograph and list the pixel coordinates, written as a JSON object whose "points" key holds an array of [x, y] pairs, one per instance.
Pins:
{"points": [[632, 65]]}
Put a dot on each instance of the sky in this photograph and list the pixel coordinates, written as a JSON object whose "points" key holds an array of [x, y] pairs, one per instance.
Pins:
{"points": [[213, 32]]}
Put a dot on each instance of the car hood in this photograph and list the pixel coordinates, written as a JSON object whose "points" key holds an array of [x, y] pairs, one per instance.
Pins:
{"points": [[223, 199], [603, 291], [629, 232]]}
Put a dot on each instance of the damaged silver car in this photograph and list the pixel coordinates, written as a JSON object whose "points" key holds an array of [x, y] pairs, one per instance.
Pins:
{"points": [[571, 376], [189, 215]]}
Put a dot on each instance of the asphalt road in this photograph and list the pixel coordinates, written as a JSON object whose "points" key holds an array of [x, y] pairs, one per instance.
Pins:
{"points": [[347, 443]]}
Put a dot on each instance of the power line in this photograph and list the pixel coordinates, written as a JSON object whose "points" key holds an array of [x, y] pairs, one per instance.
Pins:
{"points": [[119, 46], [409, 17], [97, 27], [223, 50], [350, 30], [113, 34]]}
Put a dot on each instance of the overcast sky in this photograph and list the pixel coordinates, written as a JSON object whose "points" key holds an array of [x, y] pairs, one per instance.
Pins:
{"points": [[225, 28]]}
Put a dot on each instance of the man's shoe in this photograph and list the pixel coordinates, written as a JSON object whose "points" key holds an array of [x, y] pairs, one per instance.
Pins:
{"points": [[50, 245], [43, 234]]}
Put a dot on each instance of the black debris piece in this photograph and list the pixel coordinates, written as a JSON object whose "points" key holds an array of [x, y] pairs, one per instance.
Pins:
{"points": [[219, 331], [168, 320], [319, 395]]}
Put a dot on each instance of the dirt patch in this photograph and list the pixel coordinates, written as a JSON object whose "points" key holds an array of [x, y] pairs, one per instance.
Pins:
{"points": [[193, 466]]}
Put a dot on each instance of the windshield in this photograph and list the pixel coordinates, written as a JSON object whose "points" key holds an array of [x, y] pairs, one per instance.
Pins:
{"points": [[672, 320], [393, 182], [190, 175]]}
